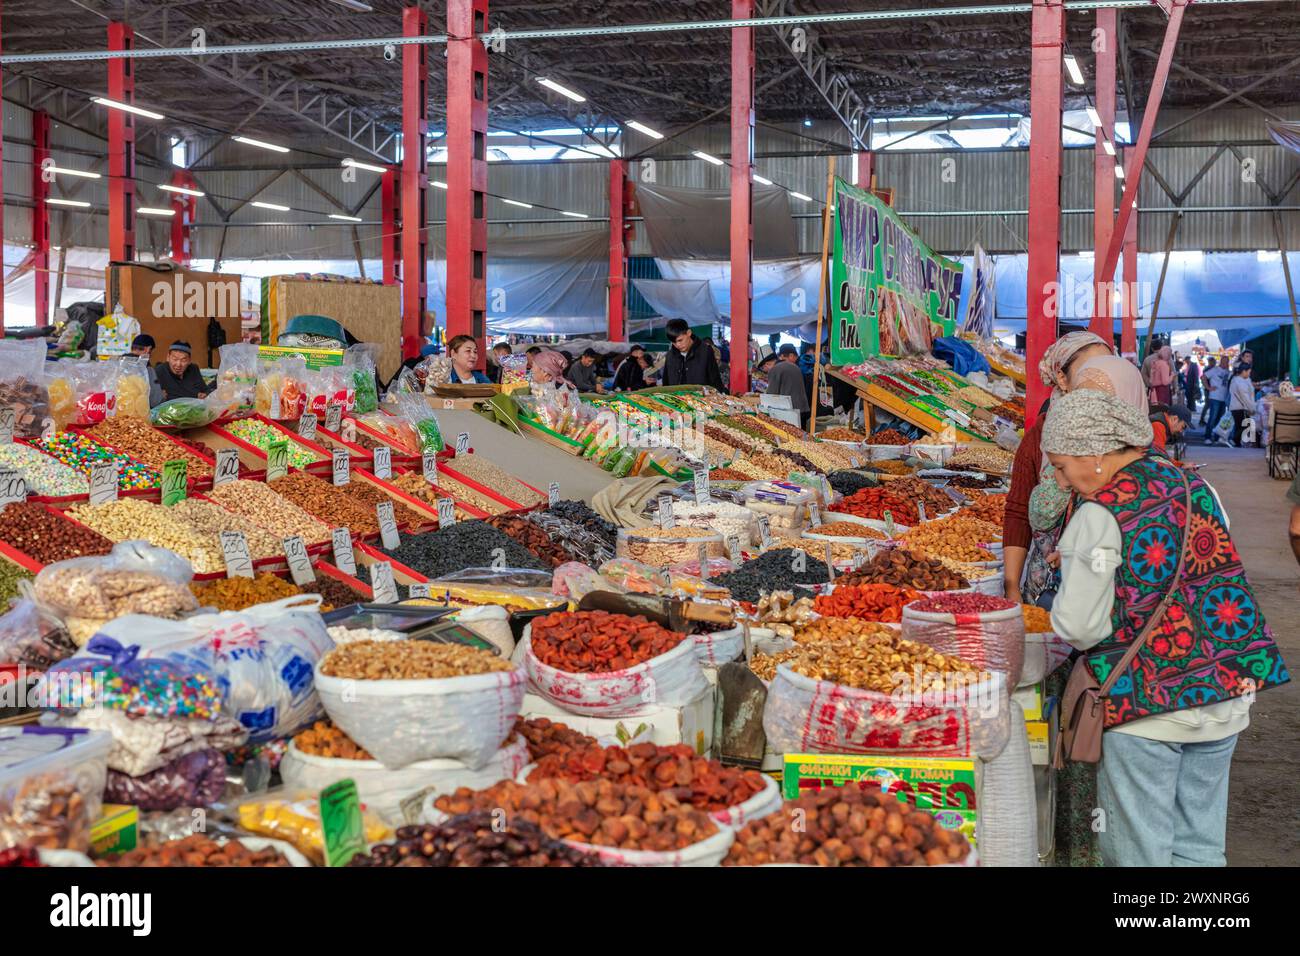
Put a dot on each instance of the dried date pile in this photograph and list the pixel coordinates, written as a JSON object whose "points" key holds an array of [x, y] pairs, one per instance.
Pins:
{"points": [[597, 812], [475, 839], [847, 826], [906, 569], [703, 783], [198, 850], [532, 537], [587, 642]]}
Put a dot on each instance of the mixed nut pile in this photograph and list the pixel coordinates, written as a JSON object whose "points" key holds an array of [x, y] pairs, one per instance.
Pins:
{"points": [[409, 660]]}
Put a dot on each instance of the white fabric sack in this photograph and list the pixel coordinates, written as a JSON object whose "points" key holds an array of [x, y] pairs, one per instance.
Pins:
{"points": [[383, 790], [673, 679], [405, 721], [710, 851], [768, 800], [805, 715], [492, 623], [990, 641], [1006, 827], [720, 647], [1044, 653]]}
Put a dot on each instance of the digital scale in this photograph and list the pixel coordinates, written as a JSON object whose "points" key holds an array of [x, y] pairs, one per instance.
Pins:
{"points": [[416, 622]]}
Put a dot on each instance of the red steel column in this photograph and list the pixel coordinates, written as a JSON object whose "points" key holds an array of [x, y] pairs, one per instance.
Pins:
{"points": [[1128, 330], [1042, 288], [742, 213], [866, 169], [2, 271], [1103, 177], [121, 147], [186, 209], [390, 211], [467, 76], [415, 181], [617, 251], [40, 216]]}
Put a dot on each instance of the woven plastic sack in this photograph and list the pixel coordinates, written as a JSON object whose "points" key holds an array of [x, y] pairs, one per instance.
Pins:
{"points": [[402, 722], [720, 647], [673, 679], [806, 715], [768, 800], [710, 851], [1006, 828], [195, 780], [144, 744], [384, 790], [990, 641]]}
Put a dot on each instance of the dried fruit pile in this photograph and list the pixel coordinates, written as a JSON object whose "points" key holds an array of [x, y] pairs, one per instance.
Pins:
{"points": [[849, 481], [703, 783], [1037, 621], [937, 502], [777, 570], [841, 434], [323, 739], [545, 737], [907, 569], [597, 812], [595, 642], [533, 538], [235, 594], [870, 602], [848, 529], [475, 839], [867, 656], [941, 539], [847, 826], [991, 508], [874, 502], [198, 850], [963, 604], [888, 436]]}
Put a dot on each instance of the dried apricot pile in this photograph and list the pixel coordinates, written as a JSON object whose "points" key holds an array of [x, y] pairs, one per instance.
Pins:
{"points": [[587, 642], [870, 602]]}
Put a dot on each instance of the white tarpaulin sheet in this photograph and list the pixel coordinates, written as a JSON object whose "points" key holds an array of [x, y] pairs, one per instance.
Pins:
{"points": [[785, 290], [689, 299], [536, 284], [696, 223]]}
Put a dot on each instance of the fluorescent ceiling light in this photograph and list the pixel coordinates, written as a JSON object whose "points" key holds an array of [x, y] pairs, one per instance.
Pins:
{"points": [[1072, 67], [356, 5], [762, 179], [562, 90], [83, 173], [1119, 171], [642, 128], [1093, 116], [438, 182], [575, 215], [155, 211], [180, 189], [800, 196], [335, 215], [76, 203], [707, 158], [269, 205], [260, 144], [360, 165], [1108, 146], [516, 202], [128, 107]]}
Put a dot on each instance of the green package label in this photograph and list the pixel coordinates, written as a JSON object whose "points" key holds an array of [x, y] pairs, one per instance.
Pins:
{"points": [[174, 481], [341, 823]]}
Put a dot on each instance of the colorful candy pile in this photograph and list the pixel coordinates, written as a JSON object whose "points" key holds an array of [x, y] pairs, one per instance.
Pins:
{"points": [[79, 452], [261, 434], [43, 474]]}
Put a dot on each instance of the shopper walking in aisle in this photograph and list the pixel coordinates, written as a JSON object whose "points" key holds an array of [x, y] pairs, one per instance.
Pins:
{"points": [[786, 378], [690, 360], [1162, 377], [1241, 401], [1147, 557], [463, 352], [1217, 379], [1036, 511], [1193, 387]]}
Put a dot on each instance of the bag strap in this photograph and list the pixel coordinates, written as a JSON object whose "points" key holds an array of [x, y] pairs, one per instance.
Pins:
{"points": [[1159, 614]]}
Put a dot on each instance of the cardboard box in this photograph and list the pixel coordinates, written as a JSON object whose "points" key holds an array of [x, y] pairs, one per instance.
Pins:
{"points": [[691, 724], [172, 304], [116, 830], [371, 312]]}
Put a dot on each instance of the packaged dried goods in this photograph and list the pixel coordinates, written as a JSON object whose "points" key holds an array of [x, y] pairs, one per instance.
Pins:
{"points": [[138, 687], [32, 636], [475, 839], [184, 413], [133, 389], [22, 385], [198, 850], [361, 360], [407, 701], [281, 389], [853, 825], [294, 816], [93, 390], [236, 388], [871, 602], [51, 782], [727, 519], [46, 536], [144, 743], [197, 779]]}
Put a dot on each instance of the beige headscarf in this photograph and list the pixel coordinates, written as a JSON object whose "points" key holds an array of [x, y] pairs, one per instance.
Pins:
{"points": [[1088, 422], [1060, 352]]}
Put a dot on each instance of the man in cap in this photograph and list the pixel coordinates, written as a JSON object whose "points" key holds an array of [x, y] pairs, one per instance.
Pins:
{"points": [[178, 376], [786, 378]]}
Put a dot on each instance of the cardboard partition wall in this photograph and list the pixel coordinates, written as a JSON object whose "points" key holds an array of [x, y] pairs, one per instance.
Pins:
{"points": [[371, 312], [172, 303]]}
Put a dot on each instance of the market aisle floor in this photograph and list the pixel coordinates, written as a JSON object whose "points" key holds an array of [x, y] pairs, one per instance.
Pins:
{"points": [[1264, 801]]}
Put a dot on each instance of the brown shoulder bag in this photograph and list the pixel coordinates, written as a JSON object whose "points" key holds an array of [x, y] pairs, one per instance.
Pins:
{"points": [[1082, 706]]}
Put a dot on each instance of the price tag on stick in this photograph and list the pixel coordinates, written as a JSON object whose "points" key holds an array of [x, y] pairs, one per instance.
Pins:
{"points": [[446, 512], [295, 552], [103, 482], [307, 426], [341, 823], [666, 519], [462, 443], [7, 418], [552, 494], [234, 549], [830, 563], [704, 562], [383, 458], [387, 525], [382, 583], [733, 548], [174, 482], [277, 460], [920, 510], [429, 465], [701, 476], [419, 591], [889, 523], [814, 514], [344, 559], [342, 468], [333, 415], [13, 487], [227, 466], [765, 531]]}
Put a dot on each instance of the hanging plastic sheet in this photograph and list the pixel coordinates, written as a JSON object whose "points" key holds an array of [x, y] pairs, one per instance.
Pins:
{"points": [[785, 290], [689, 299], [536, 284], [696, 223]]}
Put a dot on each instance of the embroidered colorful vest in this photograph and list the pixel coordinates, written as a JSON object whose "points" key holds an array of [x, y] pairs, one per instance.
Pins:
{"points": [[1213, 644]]}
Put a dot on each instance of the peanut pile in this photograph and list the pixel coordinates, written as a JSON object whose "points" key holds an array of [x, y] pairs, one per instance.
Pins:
{"points": [[262, 506], [851, 825], [409, 660], [595, 812]]}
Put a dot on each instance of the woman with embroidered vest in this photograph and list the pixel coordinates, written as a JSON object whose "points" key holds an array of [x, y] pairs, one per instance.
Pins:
{"points": [[1173, 715]]}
